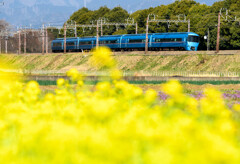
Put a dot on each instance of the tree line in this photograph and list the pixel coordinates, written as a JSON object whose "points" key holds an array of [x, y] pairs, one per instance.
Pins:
{"points": [[202, 18]]}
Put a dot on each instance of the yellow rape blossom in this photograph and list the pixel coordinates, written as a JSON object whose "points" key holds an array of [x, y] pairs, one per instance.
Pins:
{"points": [[102, 58], [115, 122]]}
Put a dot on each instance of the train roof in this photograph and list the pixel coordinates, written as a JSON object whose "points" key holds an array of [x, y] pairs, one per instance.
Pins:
{"points": [[61, 39], [166, 33], [129, 35]]}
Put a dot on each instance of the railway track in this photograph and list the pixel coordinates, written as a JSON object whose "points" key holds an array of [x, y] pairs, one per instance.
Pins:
{"points": [[137, 78], [153, 53]]}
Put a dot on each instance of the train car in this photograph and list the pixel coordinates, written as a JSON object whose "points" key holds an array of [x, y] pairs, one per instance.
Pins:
{"points": [[71, 45], [86, 43], [57, 45], [113, 42], [134, 42], [187, 41]]}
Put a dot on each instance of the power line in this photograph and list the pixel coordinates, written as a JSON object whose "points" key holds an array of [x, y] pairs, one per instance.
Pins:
{"points": [[101, 22], [168, 21]]}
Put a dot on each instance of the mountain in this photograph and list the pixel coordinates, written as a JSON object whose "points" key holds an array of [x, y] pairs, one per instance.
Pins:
{"points": [[37, 12]]}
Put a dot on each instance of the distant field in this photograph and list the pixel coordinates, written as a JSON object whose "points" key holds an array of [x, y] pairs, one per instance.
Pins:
{"points": [[131, 61]]}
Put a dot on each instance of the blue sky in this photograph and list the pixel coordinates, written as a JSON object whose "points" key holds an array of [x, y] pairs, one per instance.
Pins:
{"points": [[39, 11]]}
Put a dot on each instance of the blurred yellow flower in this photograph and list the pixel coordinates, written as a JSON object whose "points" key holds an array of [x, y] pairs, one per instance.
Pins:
{"points": [[102, 58], [173, 88], [60, 82], [115, 122]]}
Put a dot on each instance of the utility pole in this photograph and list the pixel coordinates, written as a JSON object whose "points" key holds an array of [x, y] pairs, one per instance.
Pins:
{"points": [[208, 39], [146, 41], [19, 42], [97, 43], [136, 28], [43, 38], [25, 41], [218, 32], [46, 41], [189, 25], [65, 38], [101, 27], [6, 45], [75, 29]]}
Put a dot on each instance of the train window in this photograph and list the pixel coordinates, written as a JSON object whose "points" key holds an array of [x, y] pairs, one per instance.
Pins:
{"points": [[85, 43], [108, 41], [169, 40], [137, 41], [57, 44], [70, 44], [193, 39]]}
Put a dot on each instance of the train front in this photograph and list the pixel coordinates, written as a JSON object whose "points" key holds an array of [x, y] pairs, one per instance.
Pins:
{"points": [[192, 42]]}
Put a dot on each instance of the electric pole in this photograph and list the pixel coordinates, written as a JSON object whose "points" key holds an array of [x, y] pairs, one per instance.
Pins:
{"points": [[25, 41], [75, 29], [6, 45], [97, 44], [146, 41], [19, 42], [189, 25], [136, 28], [208, 39], [218, 32], [101, 27], [46, 41], [43, 38], [65, 38]]}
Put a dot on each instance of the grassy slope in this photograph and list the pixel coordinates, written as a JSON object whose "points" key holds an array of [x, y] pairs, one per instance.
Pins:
{"points": [[133, 62]]}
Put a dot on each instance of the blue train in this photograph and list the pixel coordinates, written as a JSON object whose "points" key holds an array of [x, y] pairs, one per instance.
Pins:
{"points": [[186, 41]]}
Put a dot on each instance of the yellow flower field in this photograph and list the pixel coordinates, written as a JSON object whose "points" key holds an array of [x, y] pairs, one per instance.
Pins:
{"points": [[115, 123]]}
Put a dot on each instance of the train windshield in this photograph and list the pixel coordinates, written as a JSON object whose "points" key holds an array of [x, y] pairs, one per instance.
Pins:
{"points": [[193, 39]]}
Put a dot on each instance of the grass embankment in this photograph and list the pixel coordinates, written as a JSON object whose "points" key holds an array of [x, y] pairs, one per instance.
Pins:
{"points": [[131, 62]]}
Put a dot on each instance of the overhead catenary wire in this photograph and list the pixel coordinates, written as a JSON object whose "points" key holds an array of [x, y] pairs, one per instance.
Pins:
{"points": [[73, 28]]}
